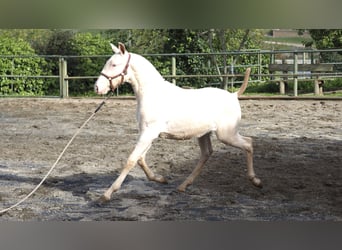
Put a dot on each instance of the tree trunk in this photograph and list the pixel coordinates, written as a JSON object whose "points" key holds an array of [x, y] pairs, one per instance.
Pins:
{"points": [[213, 57], [224, 49]]}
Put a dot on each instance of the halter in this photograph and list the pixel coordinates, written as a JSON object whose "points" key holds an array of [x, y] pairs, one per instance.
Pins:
{"points": [[122, 74]]}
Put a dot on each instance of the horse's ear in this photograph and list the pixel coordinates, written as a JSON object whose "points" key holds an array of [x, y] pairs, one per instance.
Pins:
{"points": [[115, 49], [122, 48]]}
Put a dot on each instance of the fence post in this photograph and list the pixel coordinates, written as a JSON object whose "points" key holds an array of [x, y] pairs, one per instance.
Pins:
{"points": [[232, 73], [316, 84], [295, 71], [63, 83], [272, 62], [173, 63], [259, 66]]}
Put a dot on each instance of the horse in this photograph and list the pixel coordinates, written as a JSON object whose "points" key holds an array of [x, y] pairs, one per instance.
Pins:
{"points": [[167, 111]]}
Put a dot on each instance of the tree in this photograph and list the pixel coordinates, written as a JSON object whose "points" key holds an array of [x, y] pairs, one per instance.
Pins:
{"points": [[56, 44], [142, 41], [87, 45], [66, 43], [188, 41], [145, 41], [37, 38], [195, 41], [224, 40], [12, 65], [328, 39], [325, 39]]}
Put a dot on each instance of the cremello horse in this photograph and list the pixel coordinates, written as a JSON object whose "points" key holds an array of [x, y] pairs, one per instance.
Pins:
{"points": [[167, 111]]}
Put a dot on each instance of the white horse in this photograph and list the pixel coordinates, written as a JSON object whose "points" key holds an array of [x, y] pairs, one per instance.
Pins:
{"points": [[167, 111]]}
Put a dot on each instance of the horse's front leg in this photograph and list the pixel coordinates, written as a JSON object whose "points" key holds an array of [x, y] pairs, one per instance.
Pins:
{"points": [[144, 143], [149, 173]]}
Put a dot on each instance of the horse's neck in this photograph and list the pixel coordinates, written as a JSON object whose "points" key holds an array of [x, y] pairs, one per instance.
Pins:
{"points": [[146, 77], [150, 88]]}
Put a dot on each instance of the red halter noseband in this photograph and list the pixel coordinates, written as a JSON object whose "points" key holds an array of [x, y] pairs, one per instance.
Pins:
{"points": [[122, 74]]}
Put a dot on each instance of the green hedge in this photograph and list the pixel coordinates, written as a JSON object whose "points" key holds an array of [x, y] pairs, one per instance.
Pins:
{"points": [[20, 66]]}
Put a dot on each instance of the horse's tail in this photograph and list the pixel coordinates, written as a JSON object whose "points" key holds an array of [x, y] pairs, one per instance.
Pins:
{"points": [[245, 82]]}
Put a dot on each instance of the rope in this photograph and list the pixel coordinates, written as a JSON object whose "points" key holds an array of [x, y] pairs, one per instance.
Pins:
{"points": [[58, 159]]}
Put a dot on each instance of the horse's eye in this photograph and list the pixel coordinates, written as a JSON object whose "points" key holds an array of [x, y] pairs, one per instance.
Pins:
{"points": [[113, 65]]}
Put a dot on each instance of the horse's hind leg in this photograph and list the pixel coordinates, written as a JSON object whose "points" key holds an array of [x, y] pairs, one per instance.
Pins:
{"points": [[245, 143], [206, 151], [149, 173]]}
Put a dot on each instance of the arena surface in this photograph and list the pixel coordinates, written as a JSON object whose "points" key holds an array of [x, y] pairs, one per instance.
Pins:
{"points": [[297, 155]]}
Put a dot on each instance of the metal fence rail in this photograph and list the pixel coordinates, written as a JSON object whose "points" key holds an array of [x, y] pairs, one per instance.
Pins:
{"points": [[261, 67]]}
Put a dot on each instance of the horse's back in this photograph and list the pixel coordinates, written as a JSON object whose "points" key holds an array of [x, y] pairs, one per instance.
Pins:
{"points": [[206, 98]]}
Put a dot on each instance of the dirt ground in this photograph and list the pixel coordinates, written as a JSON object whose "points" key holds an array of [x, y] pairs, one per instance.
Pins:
{"points": [[297, 155]]}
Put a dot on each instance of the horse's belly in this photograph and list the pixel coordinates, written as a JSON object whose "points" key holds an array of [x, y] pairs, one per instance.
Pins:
{"points": [[179, 136], [178, 131]]}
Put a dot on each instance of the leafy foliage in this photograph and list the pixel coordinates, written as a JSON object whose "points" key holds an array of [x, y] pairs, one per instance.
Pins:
{"points": [[20, 66], [192, 41], [68, 43], [187, 41], [37, 38], [87, 45], [324, 38], [327, 39]]}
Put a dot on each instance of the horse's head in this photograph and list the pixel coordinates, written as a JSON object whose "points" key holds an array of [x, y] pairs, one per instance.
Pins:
{"points": [[114, 72]]}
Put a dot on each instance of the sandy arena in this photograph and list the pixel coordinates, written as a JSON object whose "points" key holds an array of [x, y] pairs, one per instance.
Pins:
{"points": [[297, 155]]}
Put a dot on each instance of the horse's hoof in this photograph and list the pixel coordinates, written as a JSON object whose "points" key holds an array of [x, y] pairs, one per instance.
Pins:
{"points": [[162, 180], [181, 188], [103, 199], [256, 182]]}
